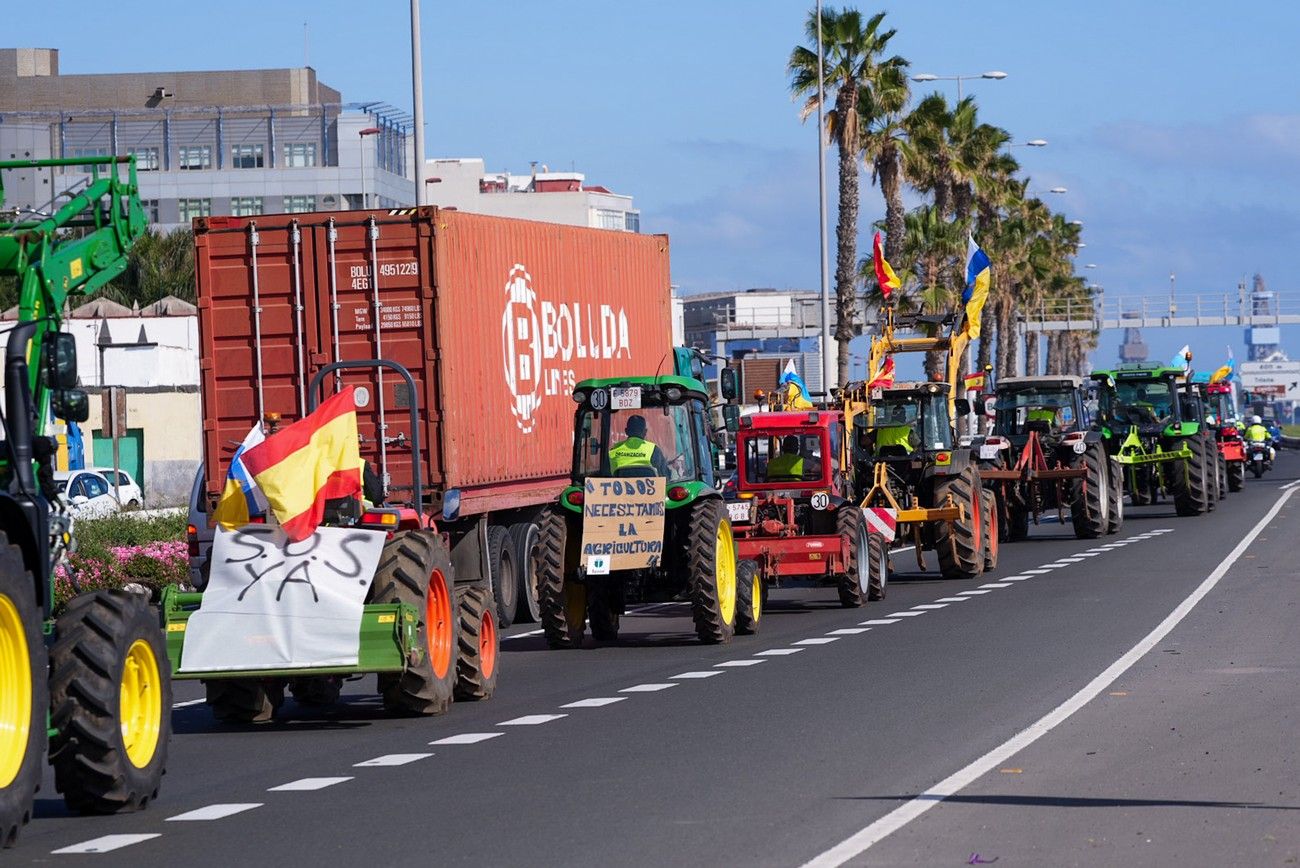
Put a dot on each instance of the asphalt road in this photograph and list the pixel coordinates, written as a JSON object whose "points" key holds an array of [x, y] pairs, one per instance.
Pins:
{"points": [[784, 747]]}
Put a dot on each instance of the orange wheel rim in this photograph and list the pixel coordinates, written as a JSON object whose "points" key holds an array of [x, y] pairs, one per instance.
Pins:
{"points": [[487, 644], [977, 523], [437, 623], [993, 532]]}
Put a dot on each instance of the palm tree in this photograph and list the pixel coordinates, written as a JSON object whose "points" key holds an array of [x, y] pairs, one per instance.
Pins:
{"points": [[880, 111], [932, 253], [161, 264], [853, 63], [926, 151]]}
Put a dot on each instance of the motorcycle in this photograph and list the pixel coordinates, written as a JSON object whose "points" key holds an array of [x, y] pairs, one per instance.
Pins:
{"points": [[1257, 457]]}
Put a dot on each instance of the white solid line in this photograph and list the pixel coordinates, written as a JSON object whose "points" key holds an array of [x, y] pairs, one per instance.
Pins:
{"points": [[595, 702], [905, 614], [188, 703], [391, 759], [952, 599], [996, 585], [305, 784], [738, 663], [706, 673], [972, 593], [879, 622], [106, 844], [647, 688], [820, 640], [523, 635], [856, 844], [931, 606], [849, 631], [467, 738], [778, 652], [531, 720], [1289, 485], [214, 812]]}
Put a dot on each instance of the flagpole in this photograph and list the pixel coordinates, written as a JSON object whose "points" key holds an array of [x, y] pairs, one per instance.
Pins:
{"points": [[827, 362]]}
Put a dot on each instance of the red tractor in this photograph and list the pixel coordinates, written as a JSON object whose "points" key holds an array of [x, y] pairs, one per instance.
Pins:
{"points": [[1223, 418], [802, 522]]}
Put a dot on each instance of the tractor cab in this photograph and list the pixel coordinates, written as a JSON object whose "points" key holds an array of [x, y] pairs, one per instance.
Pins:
{"points": [[1143, 397], [1050, 406], [903, 423], [791, 450]]}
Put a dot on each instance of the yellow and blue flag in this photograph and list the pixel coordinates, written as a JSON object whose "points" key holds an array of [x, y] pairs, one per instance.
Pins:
{"points": [[1225, 372], [977, 285], [796, 392], [242, 498]]}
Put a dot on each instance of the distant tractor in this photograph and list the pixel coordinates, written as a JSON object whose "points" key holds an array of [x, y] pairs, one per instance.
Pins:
{"points": [[1223, 417]]}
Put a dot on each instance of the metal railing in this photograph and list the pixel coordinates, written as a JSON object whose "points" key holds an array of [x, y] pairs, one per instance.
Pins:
{"points": [[1154, 311]]}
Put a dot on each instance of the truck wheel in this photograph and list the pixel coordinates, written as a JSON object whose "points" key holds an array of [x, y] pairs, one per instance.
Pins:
{"points": [[480, 644], [561, 600], [1236, 475], [505, 573], [1191, 494], [750, 597], [603, 611], [111, 703], [1116, 518], [877, 567], [958, 543], [244, 700], [1090, 497], [316, 691], [852, 583], [24, 698], [415, 568], [524, 536], [991, 538], [711, 571]]}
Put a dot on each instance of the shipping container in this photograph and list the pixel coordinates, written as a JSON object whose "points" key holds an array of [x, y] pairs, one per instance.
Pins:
{"points": [[495, 319]]}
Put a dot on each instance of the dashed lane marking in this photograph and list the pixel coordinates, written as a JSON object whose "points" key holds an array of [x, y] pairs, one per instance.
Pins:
{"points": [[647, 688], [952, 599], [905, 614], [705, 673], [1036, 572], [973, 593], [307, 784], [522, 635], [849, 631], [531, 720], [1016, 579], [879, 622], [1088, 554], [739, 663], [925, 606], [820, 640], [214, 812], [188, 703], [106, 844], [778, 652], [996, 585], [467, 738], [391, 759], [594, 702]]}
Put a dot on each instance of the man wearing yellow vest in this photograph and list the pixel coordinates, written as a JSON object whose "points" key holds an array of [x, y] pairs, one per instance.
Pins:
{"points": [[898, 433], [636, 451], [789, 464], [1043, 414]]}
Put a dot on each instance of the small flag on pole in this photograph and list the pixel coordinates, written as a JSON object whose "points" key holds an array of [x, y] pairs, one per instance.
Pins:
{"points": [[977, 285], [884, 274], [884, 377]]}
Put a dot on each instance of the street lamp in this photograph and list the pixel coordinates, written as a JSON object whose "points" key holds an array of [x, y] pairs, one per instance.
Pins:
{"points": [[1032, 143], [368, 131], [1076, 222], [995, 74], [1091, 265]]}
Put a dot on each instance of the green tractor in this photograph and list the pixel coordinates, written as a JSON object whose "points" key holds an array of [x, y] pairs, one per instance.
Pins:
{"points": [[1150, 428], [643, 519]]}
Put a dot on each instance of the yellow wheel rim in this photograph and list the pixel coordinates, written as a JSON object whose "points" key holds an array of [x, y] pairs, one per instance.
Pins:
{"points": [[724, 558], [16, 697], [757, 594], [141, 703]]}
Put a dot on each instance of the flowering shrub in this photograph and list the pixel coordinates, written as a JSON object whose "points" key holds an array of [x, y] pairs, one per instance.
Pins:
{"points": [[99, 564]]}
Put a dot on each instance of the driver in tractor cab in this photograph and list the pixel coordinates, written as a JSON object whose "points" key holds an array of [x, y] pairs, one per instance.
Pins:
{"points": [[789, 464], [896, 437], [1257, 433], [637, 454], [1050, 416]]}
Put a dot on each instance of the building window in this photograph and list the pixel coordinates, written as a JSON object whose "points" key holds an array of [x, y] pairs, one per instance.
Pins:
{"points": [[246, 206], [146, 159], [246, 157], [150, 207], [607, 219], [633, 221], [299, 204], [196, 157], [299, 155], [191, 208], [89, 152]]}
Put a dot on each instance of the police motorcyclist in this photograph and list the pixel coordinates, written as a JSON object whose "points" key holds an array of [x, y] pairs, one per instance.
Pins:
{"points": [[1257, 433]]}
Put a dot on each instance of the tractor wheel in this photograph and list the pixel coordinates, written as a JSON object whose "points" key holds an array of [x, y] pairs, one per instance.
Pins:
{"points": [[852, 583], [991, 529], [561, 600], [711, 571], [1223, 477], [1191, 494], [750, 597], [244, 700], [415, 568], [1090, 497], [877, 567], [316, 691], [24, 698], [1211, 477], [604, 609], [1115, 520], [111, 703], [959, 543], [479, 641], [1236, 475], [524, 536], [504, 570]]}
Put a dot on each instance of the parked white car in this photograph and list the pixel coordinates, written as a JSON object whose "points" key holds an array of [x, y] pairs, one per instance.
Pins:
{"points": [[128, 491], [86, 492]]}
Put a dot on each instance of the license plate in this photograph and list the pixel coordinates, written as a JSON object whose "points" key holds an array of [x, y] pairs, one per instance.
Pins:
{"points": [[738, 512], [1259, 457], [625, 398]]}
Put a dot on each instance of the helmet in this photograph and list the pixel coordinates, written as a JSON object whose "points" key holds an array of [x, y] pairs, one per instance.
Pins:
{"points": [[1255, 420]]}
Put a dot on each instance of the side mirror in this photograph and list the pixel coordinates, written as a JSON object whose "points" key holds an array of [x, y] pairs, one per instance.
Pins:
{"points": [[729, 384], [59, 361], [962, 406], [731, 417], [70, 405]]}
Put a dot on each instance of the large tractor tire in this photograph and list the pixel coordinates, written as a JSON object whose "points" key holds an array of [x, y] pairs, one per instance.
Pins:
{"points": [[110, 701], [877, 567], [504, 569], [1223, 477], [711, 571], [959, 544], [561, 600], [244, 700], [415, 568], [1115, 520], [1192, 493], [316, 691], [480, 643], [852, 583], [524, 536], [24, 696], [1090, 497], [604, 609], [751, 597], [1236, 475], [1211, 476], [991, 531]]}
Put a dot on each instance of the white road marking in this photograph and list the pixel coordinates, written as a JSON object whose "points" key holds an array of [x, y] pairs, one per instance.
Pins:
{"points": [[1036, 572], [595, 702], [972, 593], [1069, 560], [905, 614], [849, 631], [107, 843], [996, 585], [931, 606], [647, 688], [523, 635], [1088, 554], [391, 759], [952, 599], [468, 738], [1016, 579], [738, 663], [706, 673], [820, 640], [1289, 485], [188, 703], [531, 720], [778, 652], [879, 622], [214, 812], [306, 784], [859, 842]]}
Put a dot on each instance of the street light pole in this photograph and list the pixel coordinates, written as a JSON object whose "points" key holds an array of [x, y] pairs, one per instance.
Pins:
{"points": [[995, 74], [417, 95], [361, 134], [827, 362]]}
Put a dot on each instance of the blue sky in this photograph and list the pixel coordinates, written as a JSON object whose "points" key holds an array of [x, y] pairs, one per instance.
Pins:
{"points": [[1174, 125]]}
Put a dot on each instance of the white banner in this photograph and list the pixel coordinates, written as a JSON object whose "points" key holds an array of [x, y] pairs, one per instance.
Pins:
{"points": [[273, 604]]}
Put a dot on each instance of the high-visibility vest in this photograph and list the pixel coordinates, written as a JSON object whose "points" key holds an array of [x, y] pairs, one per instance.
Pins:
{"points": [[785, 465], [894, 435], [1041, 414], [1257, 433], [632, 452]]}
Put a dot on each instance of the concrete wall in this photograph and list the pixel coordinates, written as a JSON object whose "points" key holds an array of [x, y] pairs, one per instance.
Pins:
{"points": [[171, 421], [173, 362]]}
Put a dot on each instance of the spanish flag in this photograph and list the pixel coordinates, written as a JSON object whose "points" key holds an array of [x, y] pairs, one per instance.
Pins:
{"points": [[314, 460], [884, 378], [977, 286], [884, 274]]}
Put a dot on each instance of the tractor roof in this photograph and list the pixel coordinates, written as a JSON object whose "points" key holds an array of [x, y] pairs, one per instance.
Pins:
{"points": [[1142, 370], [787, 421], [687, 383], [1067, 380], [915, 388]]}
